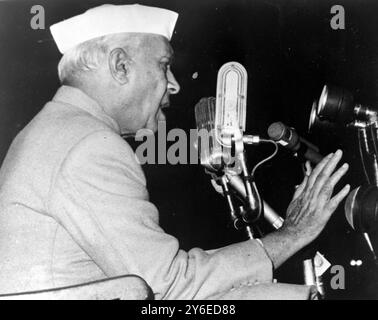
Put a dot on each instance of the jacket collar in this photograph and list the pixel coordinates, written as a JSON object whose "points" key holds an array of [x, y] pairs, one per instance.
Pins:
{"points": [[77, 98]]}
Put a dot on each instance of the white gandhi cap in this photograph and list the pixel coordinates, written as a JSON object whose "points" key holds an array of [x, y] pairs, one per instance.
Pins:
{"points": [[110, 19]]}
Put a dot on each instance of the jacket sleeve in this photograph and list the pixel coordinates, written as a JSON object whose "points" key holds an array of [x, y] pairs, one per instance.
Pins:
{"points": [[99, 196]]}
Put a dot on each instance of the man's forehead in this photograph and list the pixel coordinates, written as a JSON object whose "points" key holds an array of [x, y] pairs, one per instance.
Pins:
{"points": [[168, 52], [157, 45]]}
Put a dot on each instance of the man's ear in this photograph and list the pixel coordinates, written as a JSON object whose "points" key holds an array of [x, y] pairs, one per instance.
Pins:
{"points": [[119, 65]]}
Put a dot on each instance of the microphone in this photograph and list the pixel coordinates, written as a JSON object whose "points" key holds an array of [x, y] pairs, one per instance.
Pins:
{"points": [[231, 102], [361, 208], [221, 121], [290, 139], [210, 151], [230, 117], [213, 154], [213, 159], [337, 105], [361, 212]]}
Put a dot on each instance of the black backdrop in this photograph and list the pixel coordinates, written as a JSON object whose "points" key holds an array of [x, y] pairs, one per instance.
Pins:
{"points": [[289, 51]]}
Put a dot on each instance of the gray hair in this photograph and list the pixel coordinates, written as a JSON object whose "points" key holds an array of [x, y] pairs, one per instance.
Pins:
{"points": [[90, 54]]}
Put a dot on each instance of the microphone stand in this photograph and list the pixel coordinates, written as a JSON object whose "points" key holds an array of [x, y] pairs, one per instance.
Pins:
{"points": [[250, 213], [368, 147], [239, 217], [255, 206]]}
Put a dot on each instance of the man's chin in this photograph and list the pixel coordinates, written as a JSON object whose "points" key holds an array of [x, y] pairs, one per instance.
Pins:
{"points": [[159, 119], [161, 116], [153, 124]]}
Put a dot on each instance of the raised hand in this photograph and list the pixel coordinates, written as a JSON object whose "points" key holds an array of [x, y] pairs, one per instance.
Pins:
{"points": [[312, 205], [309, 211]]}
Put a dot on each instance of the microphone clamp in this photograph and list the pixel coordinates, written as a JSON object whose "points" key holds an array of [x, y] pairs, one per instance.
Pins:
{"points": [[252, 140]]}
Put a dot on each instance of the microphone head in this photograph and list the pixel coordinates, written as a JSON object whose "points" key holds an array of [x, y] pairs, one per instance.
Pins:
{"points": [[204, 112], [314, 119], [209, 149], [335, 105], [276, 131], [350, 207], [284, 135], [361, 208], [316, 124], [231, 101]]}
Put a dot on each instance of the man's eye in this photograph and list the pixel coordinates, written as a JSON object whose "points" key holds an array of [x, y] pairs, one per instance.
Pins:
{"points": [[165, 66]]}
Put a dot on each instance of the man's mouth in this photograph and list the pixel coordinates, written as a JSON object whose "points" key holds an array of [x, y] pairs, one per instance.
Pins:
{"points": [[164, 105]]}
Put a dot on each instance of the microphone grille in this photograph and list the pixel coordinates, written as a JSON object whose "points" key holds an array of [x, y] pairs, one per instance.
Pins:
{"points": [[350, 207], [276, 131], [204, 112]]}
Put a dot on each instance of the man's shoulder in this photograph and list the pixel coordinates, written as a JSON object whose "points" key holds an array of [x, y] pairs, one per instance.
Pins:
{"points": [[100, 153], [72, 132], [66, 120], [56, 131], [59, 127]]}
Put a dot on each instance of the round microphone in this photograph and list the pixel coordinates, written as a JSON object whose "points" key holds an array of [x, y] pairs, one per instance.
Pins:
{"points": [[361, 212], [361, 208], [336, 105], [290, 139], [350, 207], [278, 131]]}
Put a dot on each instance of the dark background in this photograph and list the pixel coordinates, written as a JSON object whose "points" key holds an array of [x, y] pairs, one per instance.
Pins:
{"points": [[289, 51]]}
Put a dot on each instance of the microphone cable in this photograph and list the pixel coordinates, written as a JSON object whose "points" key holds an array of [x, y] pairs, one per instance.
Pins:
{"points": [[271, 156]]}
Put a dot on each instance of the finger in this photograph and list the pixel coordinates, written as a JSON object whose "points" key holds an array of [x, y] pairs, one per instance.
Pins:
{"points": [[308, 168], [332, 163], [331, 182], [335, 178], [324, 175], [300, 188], [318, 169], [335, 201]]}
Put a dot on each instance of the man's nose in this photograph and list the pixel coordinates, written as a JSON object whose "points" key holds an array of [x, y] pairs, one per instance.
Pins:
{"points": [[173, 85]]}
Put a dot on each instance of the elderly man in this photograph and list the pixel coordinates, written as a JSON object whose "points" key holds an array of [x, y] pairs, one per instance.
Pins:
{"points": [[74, 204]]}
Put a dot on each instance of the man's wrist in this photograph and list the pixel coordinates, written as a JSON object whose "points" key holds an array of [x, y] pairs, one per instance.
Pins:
{"points": [[295, 239], [282, 244]]}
